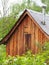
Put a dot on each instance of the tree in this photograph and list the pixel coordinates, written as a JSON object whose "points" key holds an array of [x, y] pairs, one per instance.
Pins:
{"points": [[47, 3], [4, 18], [4, 6], [0, 14], [28, 2]]}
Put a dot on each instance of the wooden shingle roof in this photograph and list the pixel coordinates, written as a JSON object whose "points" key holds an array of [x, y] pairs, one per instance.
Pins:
{"points": [[38, 17]]}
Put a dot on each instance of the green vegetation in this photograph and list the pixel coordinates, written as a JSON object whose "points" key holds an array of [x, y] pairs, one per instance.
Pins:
{"points": [[26, 59], [6, 25], [2, 53]]}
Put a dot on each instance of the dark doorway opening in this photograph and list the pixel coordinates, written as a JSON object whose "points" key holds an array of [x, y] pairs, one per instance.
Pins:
{"points": [[27, 42]]}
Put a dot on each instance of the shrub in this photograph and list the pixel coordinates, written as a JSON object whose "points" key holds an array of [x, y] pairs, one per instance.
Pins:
{"points": [[27, 59]]}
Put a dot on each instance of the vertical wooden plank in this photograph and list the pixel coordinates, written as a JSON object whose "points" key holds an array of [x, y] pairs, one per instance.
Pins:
{"points": [[40, 39], [11, 46], [46, 39], [18, 40], [16, 50], [8, 48], [25, 23], [21, 38], [14, 42], [32, 36], [40, 36], [43, 39], [36, 39], [29, 25]]}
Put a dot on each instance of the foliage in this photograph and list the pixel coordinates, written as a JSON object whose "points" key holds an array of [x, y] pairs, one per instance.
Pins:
{"points": [[26, 59], [4, 25], [47, 3], [2, 53]]}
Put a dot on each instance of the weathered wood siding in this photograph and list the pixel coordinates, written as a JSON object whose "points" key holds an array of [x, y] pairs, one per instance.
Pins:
{"points": [[16, 43]]}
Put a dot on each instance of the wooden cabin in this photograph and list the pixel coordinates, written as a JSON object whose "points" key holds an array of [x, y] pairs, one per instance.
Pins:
{"points": [[27, 33]]}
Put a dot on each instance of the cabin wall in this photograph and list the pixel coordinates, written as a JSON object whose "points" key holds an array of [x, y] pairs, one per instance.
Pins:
{"points": [[16, 44]]}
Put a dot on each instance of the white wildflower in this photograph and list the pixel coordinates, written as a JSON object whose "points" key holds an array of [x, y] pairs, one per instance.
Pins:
{"points": [[45, 63], [15, 59]]}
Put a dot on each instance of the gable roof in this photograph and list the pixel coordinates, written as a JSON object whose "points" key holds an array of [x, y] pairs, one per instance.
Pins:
{"points": [[38, 17]]}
